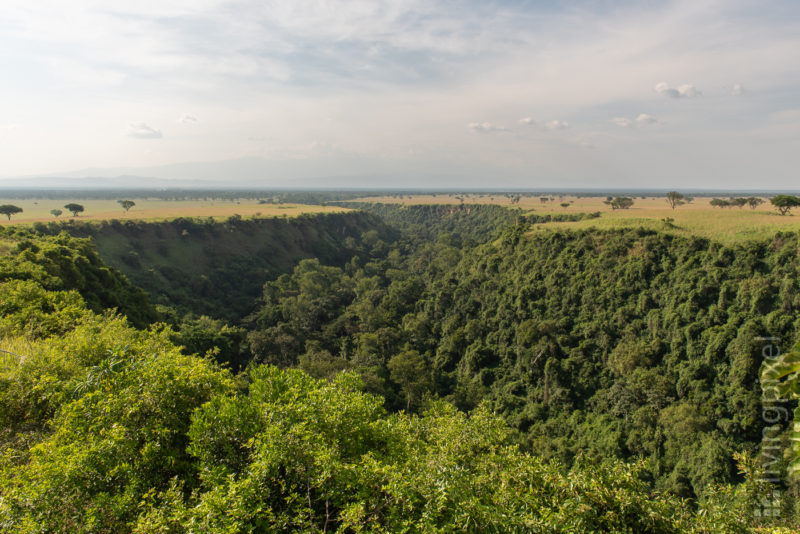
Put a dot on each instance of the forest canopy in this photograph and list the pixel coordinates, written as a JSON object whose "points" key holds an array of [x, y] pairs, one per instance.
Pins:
{"points": [[457, 373]]}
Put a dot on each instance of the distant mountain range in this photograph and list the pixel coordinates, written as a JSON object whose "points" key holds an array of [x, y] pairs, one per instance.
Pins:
{"points": [[329, 172], [243, 173]]}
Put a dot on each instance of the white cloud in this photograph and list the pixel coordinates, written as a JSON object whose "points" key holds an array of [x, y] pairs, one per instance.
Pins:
{"points": [[140, 130], [485, 127], [688, 91], [271, 69], [643, 119], [738, 90], [683, 91], [187, 119], [557, 125]]}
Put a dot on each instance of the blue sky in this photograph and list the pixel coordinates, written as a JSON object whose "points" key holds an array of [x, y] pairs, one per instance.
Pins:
{"points": [[699, 93]]}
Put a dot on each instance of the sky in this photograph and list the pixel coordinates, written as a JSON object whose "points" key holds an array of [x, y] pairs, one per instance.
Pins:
{"points": [[661, 94]]}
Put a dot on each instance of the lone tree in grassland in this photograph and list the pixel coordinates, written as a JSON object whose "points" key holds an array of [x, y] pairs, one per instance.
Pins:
{"points": [[126, 204], [676, 199], [9, 209], [754, 202], [619, 203], [74, 208], [56, 213], [785, 203]]}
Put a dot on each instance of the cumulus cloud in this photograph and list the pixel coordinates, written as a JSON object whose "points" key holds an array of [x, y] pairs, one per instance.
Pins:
{"points": [[663, 88], [527, 121], [684, 91], [485, 127], [140, 130], [187, 119], [557, 125], [641, 120], [688, 91]]}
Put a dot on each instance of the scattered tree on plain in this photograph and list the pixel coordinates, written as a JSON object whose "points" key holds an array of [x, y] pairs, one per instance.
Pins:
{"points": [[739, 202], [9, 209], [676, 199], [785, 203], [126, 204], [75, 209], [56, 213], [754, 202], [619, 203]]}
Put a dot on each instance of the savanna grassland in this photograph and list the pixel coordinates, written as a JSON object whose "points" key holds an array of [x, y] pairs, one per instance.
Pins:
{"points": [[698, 217], [156, 209]]}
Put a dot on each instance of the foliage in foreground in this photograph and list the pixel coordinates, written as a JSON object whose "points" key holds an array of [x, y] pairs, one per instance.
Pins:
{"points": [[106, 428], [144, 439]]}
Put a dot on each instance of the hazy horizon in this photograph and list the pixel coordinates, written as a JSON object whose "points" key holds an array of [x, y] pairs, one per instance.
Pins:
{"points": [[393, 95]]}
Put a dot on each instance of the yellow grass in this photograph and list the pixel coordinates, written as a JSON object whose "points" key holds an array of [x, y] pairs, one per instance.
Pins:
{"points": [[38, 210], [697, 218]]}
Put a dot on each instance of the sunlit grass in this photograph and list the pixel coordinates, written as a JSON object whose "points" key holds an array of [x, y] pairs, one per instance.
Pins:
{"points": [[726, 225], [38, 210]]}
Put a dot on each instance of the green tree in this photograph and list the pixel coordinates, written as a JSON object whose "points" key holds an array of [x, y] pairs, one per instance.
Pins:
{"points": [[676, 199], [620, 203], [74, 208], [754, 202], [785, 203], [409, 370], [126, 204], [9, 209], [56, 213]]}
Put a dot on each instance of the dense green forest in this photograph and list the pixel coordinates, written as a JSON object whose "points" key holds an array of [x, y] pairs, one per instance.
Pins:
{"points": [[417, 369], [214, 268]]}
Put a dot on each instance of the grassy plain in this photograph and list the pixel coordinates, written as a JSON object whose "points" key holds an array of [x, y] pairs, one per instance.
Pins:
{"points": [[696, 218], [38, 210], [726, 225]]}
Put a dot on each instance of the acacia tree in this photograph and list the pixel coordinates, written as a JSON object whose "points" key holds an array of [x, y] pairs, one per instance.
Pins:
{"points": [[785, 203], [74, 208], [9, 209], [619, 203], [739, 202], [56, 213], [676, 199], [754, 202], [126, 204]]}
